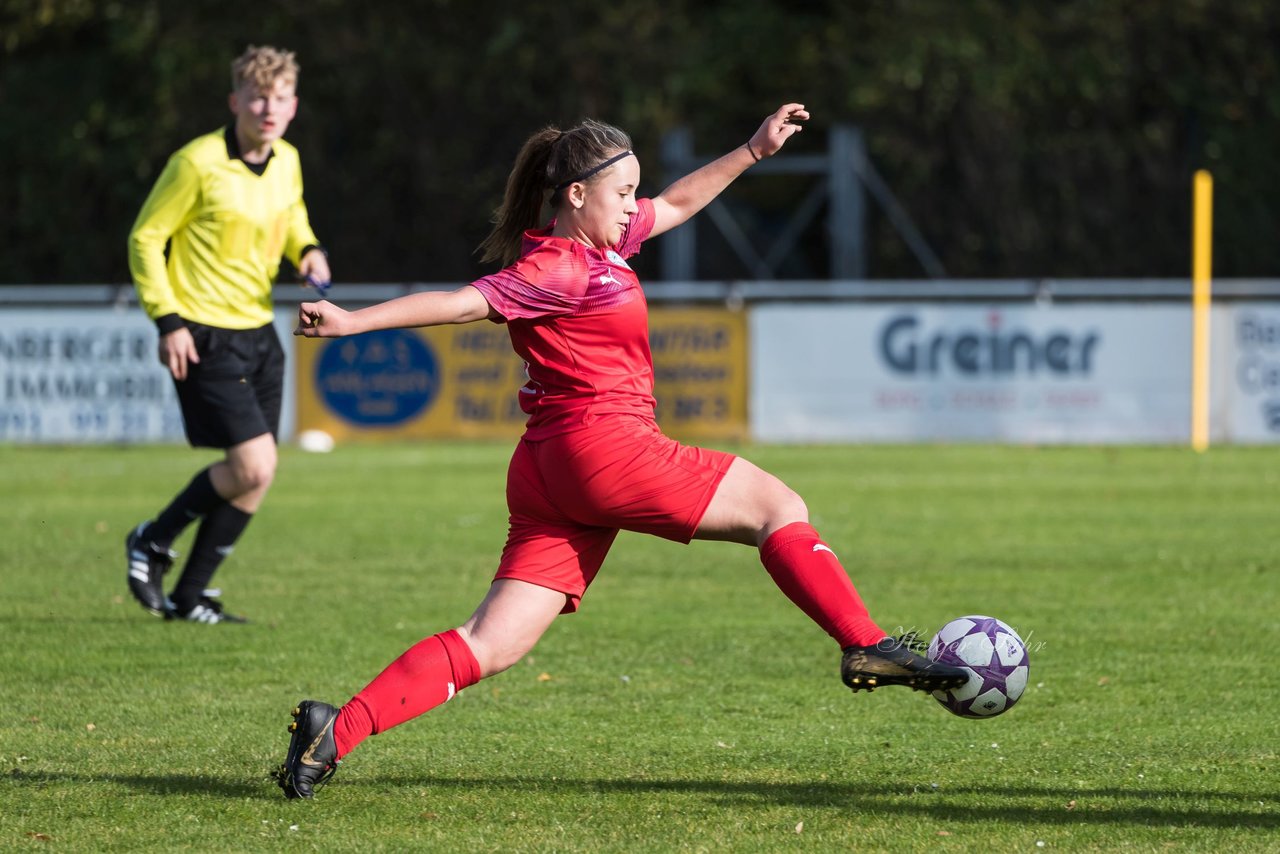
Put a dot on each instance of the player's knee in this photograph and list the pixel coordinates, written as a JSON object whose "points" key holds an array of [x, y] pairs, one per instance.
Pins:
{"points": [[252, 465], [255, 476], [503, 658], [785, 505], [493, 657]]}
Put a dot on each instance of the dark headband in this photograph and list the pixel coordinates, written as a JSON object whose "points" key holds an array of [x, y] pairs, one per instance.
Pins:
{"points": [[593, 170]]}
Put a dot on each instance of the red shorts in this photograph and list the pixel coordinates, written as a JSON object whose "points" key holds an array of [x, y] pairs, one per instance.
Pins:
{"points": [[569, 495]]}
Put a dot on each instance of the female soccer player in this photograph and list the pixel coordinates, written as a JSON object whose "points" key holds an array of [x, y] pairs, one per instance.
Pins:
{"points": [[592, 460]]}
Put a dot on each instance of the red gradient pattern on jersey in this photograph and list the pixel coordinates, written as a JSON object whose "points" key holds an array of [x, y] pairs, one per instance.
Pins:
{"points": [[578, 317]]}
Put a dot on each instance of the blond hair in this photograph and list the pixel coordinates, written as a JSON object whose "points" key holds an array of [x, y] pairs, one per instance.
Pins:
{"points": [[548, 160], [262, 66]]}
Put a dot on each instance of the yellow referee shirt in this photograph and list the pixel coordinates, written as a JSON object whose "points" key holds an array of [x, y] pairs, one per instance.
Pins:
{"points": [[227, 229]]}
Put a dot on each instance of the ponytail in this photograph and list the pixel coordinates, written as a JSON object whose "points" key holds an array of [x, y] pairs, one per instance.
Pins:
{"points": [[522, 201]]}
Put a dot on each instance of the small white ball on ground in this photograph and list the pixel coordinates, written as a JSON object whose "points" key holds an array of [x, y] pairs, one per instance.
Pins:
{"points": [[315, 441]]}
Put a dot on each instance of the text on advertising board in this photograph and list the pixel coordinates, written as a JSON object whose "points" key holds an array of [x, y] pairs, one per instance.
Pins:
{"points": [[908, 349]]}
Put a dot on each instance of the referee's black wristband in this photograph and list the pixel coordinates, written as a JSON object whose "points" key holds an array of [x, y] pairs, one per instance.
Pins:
{"points": [[170, 323], [309, 247]]}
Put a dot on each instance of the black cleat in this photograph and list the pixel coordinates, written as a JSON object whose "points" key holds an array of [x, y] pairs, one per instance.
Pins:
{"points": [[893, 661], [313, 754], [147, 564], [206, 610]]}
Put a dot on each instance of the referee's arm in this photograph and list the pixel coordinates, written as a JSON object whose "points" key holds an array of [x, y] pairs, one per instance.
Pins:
{"points": [[170, 205], [301, 238]]}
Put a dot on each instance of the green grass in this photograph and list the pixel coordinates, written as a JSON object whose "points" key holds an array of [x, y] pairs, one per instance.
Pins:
{"points": [[688, 707]]}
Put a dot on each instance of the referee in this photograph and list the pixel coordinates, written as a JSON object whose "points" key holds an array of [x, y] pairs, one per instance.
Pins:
{"points": [[228, 206]]}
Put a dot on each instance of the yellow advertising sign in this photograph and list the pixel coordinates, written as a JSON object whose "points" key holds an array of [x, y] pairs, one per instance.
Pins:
{"points": [[700, 372], [462, 381], [447, 381]]}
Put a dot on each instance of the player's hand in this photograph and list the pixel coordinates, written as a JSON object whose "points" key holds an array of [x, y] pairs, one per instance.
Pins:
{"points": [[778, 128], [178, 351], [322, 320]]}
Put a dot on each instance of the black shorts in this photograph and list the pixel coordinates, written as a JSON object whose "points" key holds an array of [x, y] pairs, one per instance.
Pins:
{"points": [[233, 394]]}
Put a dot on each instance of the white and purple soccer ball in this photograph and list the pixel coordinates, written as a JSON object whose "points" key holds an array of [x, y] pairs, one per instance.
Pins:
{"points": [[996, 659]]}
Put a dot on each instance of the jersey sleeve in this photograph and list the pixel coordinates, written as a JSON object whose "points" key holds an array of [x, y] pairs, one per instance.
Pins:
{"points": [[550, 281], [300, 235], [170, 205], [638, 230]]}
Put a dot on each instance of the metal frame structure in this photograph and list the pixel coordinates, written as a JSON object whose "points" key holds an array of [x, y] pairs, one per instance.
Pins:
{"points": [[846, 176]]}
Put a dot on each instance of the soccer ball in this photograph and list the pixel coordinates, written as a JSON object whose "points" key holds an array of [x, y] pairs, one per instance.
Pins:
{"points": [[315, 441], [996, 659]]}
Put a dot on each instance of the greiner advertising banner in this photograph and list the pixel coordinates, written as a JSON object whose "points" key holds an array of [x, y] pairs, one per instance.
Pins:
{"points": [[463, 381], [939, 372], [92, 375]]}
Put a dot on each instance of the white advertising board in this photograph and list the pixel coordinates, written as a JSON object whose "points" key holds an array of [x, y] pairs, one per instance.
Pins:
{"points": [[962, 372], [92, 375], [1245, 383]]}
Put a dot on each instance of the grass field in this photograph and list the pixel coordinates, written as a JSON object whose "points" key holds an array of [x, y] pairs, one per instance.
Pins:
{"points": [[688, 706]]}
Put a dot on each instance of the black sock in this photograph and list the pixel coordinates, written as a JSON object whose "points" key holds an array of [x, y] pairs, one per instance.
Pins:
{"points": [[215, 539], [193, 502]]}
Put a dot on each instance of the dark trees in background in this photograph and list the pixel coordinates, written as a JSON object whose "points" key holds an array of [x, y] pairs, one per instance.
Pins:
{"points": [[1050, 139]]}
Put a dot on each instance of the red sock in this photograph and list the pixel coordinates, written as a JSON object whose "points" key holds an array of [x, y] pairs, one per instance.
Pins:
{"points": [[810, 574], [426, 675]]}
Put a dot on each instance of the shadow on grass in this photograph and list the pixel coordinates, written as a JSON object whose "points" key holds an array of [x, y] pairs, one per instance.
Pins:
{"points": [[956, 804], [168, 784]]}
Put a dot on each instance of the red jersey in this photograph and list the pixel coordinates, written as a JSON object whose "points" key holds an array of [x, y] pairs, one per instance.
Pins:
{"points": [[579, 319]]}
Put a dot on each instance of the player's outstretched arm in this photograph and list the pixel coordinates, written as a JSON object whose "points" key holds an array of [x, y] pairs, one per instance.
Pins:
{"points": [[695, 191], [431, 308]]}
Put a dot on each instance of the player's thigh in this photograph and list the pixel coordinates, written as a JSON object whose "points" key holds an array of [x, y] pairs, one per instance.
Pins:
{"points": [[749, 505], [564, 558], [267, 375], [544, 546], [628, 475]]}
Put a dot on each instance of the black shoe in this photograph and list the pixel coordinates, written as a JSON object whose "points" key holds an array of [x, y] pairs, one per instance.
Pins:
{"points": [[893, 661], [313, 754], [206, 610], [147, 564]]}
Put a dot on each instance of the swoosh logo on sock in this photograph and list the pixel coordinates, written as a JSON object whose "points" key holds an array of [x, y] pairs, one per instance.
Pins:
{"points": [[308, 758], [820, 547]]}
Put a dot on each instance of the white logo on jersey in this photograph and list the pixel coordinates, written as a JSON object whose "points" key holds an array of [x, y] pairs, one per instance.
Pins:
{"points": [[819, 547], [607, 278], [615, 258]]}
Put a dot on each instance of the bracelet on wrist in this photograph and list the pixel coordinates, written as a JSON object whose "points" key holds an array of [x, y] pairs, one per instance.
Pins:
{"points": [[752, 151]]}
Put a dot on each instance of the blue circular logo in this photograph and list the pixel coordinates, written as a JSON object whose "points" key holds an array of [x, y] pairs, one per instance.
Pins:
{"points": [[378, 378]]}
